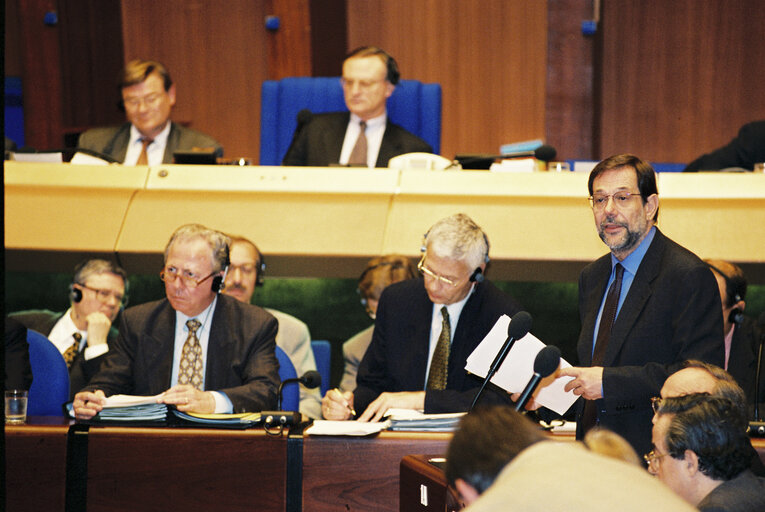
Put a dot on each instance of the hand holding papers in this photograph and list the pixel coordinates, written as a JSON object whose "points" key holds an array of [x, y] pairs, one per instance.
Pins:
{"points": [[517, 368]]}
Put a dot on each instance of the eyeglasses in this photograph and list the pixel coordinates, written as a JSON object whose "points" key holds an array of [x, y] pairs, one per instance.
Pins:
{"points": [[150, 101], [363, 84], [189, 279], [653, 458], [105, 295], [599, 201], [245, 268], [429, 273], [656, 404]]}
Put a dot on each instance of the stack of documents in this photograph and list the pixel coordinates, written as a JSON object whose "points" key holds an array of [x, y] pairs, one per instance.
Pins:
{"points": [[127, 408], [406, 419], [237, 420]]}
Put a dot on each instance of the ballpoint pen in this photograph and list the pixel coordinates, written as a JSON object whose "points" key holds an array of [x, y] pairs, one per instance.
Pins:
{"points": [[351, 409]]}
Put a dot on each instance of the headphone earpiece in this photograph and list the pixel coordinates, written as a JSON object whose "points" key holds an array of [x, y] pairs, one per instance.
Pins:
{"points": [[260, 277], [219, 282], [736, 316], [75, 294], [477, 276]]}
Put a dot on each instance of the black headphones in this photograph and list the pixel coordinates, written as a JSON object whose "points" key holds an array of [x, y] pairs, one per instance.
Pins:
{"points": [[477, 275], [219, 280], [735, 291], [260, 268], [75, 294]]}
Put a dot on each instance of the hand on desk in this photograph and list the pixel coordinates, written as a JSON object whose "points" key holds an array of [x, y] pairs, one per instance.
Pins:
{"points": [[400, 400], [588, 382], [187, 398], [337, 405], [87, 404]]}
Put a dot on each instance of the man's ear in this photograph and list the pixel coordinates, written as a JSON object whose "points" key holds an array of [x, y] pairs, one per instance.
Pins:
{"points": [[691, 463], [467, 491], [651, 206]]}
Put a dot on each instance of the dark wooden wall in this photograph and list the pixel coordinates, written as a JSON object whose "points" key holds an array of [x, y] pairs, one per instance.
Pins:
{"points": [[666, 80]]}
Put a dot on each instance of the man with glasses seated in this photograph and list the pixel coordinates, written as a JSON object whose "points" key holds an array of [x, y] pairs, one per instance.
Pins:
{"points": [[204, 352], [702, 452], [644, 308], [426, 328], [365, 136], [84, 333]]}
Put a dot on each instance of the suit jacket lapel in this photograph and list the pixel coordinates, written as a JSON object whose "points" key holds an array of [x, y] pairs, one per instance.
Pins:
{"points": [[389, 147], [117, 146], [173, 142], [591, 304], [333, 139], [219, 351], [160, 348], [639, 293]]}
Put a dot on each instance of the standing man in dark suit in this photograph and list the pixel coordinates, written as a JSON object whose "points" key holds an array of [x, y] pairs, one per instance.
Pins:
{"points": [[84, 333], [662, 309], [149, 138], [364, 136], [204, 352], [426, 328]]}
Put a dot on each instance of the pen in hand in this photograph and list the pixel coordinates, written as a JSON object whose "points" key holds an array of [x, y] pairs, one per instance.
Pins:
{"points": [[351, 409]]}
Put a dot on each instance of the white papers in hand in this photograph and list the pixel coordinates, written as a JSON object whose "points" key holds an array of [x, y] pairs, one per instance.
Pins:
{"points": [[130, 400], [518, 367]]}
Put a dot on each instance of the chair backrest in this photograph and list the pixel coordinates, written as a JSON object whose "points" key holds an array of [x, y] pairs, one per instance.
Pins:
{"points": [[50, 384], [291, 391], [322, 352], [413, 105]]}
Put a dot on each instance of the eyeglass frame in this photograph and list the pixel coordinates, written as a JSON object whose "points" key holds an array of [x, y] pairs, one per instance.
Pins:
{"points": [[425, 271], [104, 295], [619, 202], [656, 404], [186, 280], [652, 459], [363, 84]]}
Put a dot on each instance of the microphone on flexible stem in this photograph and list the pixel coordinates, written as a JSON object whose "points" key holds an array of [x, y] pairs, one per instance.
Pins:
{"points": [[757, 427], [520, 324], [310, 379], [483, 161], [545, 364]]}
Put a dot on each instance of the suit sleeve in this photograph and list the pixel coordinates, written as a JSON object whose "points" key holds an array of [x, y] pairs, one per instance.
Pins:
{"points": [[115, 375], [297, 153], [743, 151]]}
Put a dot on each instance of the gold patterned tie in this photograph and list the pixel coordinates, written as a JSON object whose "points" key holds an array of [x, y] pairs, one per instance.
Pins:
{"points": [[438, 366], [73, 350], [143, 158], [191, 357], [359, 152]]}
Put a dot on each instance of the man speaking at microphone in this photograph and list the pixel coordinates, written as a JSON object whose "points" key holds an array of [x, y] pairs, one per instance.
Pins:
{"points": [[645, 308], [204, 352], [425, 330]]}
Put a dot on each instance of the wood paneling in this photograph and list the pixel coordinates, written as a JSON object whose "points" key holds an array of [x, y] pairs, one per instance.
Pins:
{"points": [[679, 78], [217, 55], [289, 47], [489, 57]]}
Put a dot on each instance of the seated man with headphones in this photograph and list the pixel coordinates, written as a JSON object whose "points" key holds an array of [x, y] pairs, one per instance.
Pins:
{"points": [[426, 328], [742, 337], [203, 352], [84, 332]]}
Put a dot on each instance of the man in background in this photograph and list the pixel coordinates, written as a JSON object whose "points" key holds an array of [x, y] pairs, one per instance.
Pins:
{"points": [[149, 137], [246, 271], [645, 308], [741, 153], [201, 351], [701, 451], [365, 136], [83, 333]]}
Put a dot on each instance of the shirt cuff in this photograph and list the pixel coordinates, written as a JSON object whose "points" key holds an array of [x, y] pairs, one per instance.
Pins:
{"points": [[222, 403], [95, 351]]}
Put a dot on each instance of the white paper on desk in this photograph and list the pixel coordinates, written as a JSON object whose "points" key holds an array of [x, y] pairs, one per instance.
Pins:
{"points": [[86, 159], [518, 367], [345, 428], [130, 400]]}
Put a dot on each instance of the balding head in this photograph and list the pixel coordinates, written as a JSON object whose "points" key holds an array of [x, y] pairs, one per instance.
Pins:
{"points": [[687, 381]]}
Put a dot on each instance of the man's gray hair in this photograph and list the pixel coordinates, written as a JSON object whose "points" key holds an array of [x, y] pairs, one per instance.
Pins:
{"points": [[218, 242], [459, 238]]}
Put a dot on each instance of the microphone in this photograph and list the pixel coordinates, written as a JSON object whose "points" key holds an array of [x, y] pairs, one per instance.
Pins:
{"points": [[520, 324], [757, 427], [483, 161], [310, 379], [303, 118], [545, 364]]}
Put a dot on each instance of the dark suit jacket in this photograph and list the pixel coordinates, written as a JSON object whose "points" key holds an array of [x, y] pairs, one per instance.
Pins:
{"points": [[240, 355], [397, 358], [743, 151], [17, 370], [82, 370], [743, 493], [742, 362], [113, 141], [671, 313], [319, 143]]}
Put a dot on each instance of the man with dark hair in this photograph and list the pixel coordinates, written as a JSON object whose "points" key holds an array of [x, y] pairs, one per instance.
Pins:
{"points": [[365, 136], [742, 336], [203, 352], [149, 137], [645, 307], [701, 451], [84, 333], [499, 460]]}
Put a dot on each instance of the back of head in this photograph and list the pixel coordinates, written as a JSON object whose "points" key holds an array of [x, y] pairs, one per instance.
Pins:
{"points": [[487, 439], [217, 241], [392, 74], [723, 385], [137, 70], [733, 276], [646, 177], [97, 266], [713, 428], [605, 442], [459, 238], [383, 271]]}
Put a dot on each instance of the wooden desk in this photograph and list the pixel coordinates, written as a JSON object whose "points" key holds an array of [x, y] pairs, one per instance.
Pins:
{"points": [[359, 473]]}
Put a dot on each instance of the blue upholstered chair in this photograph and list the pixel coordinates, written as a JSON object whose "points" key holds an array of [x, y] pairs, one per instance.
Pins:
{"points": [[413, 105], [50, 384], [322, 352], [291, 391]]}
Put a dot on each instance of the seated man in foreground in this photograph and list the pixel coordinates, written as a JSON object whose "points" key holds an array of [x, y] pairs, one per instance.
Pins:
{"points": [[202, 351], [499, 460], [149, 137], [426, 328]]}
